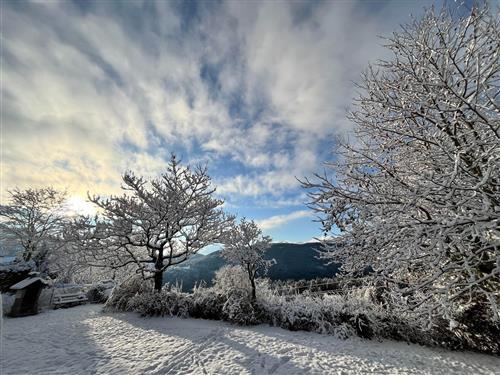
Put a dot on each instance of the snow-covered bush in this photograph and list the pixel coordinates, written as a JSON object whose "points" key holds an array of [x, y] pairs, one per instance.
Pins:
{"points": [[137, 295], [343, 315], [239, 308], [234, 288], [99, 292], [164, 303], [229, 279], [124, 292], [476, 330], [302, 312], [353, 311], [207, 304]]}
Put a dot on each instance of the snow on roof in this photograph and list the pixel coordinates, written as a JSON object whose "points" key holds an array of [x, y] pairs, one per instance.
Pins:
{"points": [[24, 283]]}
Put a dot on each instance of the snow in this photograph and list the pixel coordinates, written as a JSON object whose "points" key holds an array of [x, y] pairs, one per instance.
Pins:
{"points": [[26, 282], [84, 340]]}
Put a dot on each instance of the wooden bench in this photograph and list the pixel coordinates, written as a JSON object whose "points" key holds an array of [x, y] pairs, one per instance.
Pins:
{"points": [[64, 299]]}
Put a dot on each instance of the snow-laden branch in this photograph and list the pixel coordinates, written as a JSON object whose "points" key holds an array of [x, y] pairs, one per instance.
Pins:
{"points": [[417, 196], [156, 223]]}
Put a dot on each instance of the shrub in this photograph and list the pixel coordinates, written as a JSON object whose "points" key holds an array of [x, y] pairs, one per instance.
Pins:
{"points": [[348, 315], [207, 304], [119, 299], [475, 327], [240, 309], [356, 312], [97, 294], [229, 279], [163, 303]]}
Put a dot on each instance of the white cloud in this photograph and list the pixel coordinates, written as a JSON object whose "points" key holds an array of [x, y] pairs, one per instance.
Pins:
{"points": [[280, 220], [88, 94], [306, 70]]}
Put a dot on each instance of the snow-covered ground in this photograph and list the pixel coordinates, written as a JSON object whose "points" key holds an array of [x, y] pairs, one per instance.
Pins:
{"points": [[82, 340]]}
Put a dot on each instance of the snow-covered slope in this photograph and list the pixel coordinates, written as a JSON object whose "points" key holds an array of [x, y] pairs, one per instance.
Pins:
{"points": [[83, 340]]}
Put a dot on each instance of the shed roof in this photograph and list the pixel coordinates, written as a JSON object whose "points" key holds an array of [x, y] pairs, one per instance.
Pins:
{"points": [[26, 282]]}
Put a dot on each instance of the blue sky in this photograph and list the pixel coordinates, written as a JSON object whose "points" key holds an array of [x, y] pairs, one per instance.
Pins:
{"points": [[257, 90]]}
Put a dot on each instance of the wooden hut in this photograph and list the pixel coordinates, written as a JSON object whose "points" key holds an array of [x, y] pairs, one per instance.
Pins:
{"points": [[27, 292]]}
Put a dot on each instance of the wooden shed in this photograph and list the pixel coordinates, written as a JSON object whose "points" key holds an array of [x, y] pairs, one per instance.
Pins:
{"points": [[27, 292]]}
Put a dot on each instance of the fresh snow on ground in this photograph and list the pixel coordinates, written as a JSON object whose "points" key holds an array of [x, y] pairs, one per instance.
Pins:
{"points": [[83, 340]]}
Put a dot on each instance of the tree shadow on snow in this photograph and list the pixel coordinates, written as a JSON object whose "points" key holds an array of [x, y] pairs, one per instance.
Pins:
{"points": [[202, 334], [327, 352], [53, 341]]}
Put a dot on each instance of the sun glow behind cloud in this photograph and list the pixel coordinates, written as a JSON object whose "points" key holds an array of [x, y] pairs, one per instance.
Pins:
{"points": [[255, 89], [76, 205]]}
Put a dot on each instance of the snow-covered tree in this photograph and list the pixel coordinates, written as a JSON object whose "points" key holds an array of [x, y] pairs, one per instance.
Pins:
{"points": [[416, 195], [67, 264], [245, 245], [230, 278], [155, 224], [32, 220]]}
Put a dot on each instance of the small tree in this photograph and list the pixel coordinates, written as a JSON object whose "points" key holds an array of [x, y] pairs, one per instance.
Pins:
{"points": [[417, 196], [156, 224], [244, 245], [230, 278], [33, 219]]}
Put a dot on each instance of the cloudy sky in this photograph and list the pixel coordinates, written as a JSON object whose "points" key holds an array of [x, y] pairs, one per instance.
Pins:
{"points": [[255, 89]]}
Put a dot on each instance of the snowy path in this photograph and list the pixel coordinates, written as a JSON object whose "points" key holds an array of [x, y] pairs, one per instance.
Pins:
{"points": [[82, 340]]}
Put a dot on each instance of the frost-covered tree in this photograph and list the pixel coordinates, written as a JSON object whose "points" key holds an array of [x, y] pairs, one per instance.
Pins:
{"points": [[245, 245], [155, 224], [67, 264], [32, 220], [230, 278], [416, 195]]}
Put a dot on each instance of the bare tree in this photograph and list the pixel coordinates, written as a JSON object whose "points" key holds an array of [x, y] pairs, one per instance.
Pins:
{"points": [[245, 246], [33, 219], [155, 224], [417, 196]]}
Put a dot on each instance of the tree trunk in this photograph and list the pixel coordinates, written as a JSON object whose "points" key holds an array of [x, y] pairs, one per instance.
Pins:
{"points": [[254, 296], [158, 280], [159, 271], [251, 276], [28, 252]]}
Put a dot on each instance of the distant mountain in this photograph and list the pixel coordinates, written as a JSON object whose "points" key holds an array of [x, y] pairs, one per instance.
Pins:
{"points": [[294, 262], [10, 249]]}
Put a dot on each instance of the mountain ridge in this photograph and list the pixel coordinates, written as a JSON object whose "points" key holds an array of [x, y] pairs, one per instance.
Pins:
{"points": [[295, 261]]}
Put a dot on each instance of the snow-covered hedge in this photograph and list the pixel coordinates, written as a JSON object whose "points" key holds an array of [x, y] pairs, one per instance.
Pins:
{"points": [[344, 316], [163, 303], [207, 304], [239, 309], [122, 294], [356, 312]]}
